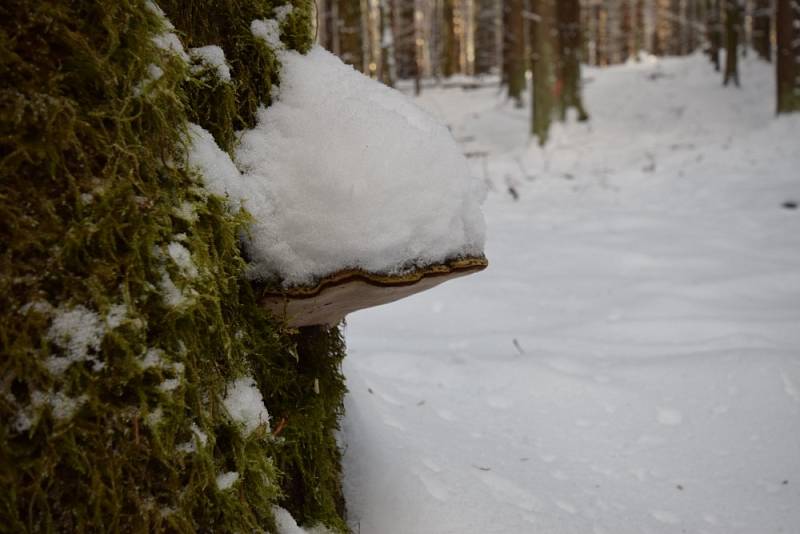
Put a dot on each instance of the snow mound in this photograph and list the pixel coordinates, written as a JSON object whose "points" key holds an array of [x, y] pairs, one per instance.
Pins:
{"points": [[343, 172]]}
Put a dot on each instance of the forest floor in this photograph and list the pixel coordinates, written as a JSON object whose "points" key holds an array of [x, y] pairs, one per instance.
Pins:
{"points": [[630, 361]]}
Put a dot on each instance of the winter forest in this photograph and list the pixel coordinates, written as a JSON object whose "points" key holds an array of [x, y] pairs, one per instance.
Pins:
{"points": [[400, 266]]}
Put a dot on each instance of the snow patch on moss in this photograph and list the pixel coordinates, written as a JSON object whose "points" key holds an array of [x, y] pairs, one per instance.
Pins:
{"points": [[79, 332], [287, 525], [226, 481], [245, 404], [213, 57]]}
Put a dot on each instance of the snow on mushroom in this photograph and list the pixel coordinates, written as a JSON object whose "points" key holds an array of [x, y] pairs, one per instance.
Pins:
{"points": [[358, 196]]}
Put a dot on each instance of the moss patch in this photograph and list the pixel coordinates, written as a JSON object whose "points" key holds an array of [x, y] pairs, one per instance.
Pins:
{"points": [[124, 430]]}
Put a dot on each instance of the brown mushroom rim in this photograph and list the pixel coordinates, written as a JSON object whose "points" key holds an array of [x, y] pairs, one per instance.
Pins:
{"points": [[461, 266]]}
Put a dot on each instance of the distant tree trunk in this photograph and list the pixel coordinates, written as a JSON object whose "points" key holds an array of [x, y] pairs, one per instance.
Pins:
{"points": [[450, 51], [514, 46], [601, 34], [350, 34], [486, 30], [545, 86], [389, 72], [405, 38], [787, 19], [733, 22], [568, 85], [638, 27], [762, 24], [714, 31], [321, 22], [627, 35], [418, 50]]}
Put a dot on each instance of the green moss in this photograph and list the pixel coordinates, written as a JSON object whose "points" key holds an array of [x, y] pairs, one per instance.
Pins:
{"points": [[93, 190]]}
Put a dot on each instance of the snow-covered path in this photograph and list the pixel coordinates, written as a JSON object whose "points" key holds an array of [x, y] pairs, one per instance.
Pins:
{"points": [[630, 361]]}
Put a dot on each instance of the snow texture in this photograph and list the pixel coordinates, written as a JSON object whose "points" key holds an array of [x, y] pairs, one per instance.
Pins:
{"points": [[245, 404], [214, 57], [630, 363], [367, 180]]}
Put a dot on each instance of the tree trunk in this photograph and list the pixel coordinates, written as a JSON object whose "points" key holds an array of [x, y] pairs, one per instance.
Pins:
{"points": [[514, 60], [486, 30], [787, 19], [568, 85], [714, 31], [733, 21], [450, 49], [350, 35], [762, 25], [545, 84], [389, 71]]}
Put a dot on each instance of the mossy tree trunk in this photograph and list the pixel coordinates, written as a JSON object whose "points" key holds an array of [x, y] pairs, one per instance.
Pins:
{"points": [[787, 64], [116, 359]]}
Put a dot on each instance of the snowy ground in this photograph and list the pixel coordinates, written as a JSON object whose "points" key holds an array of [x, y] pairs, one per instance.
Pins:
{"points": [[630, 361]]}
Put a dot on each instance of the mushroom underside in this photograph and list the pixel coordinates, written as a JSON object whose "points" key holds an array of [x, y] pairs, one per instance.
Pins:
{"points": [[346, 291]]}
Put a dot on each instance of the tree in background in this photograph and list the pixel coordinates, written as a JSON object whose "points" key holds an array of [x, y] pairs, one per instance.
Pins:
{"points": [[569, 40], [350, 31], [488, 35], [762, 28], [388, 52], [733, 23], [546, 84], [787, 20], [450, 45], [514, 46], [555, 61], [714, 31]]}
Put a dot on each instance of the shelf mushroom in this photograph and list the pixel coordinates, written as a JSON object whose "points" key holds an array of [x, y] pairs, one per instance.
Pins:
{"points": [[329, 301], [346, 182]]}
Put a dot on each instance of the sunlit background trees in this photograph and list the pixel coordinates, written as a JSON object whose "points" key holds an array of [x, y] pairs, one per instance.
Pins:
{"points": [[534, 48]]}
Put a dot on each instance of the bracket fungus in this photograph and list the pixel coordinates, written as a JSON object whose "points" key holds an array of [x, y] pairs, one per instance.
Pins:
{"points": [[336, 295], [347, 183]]}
